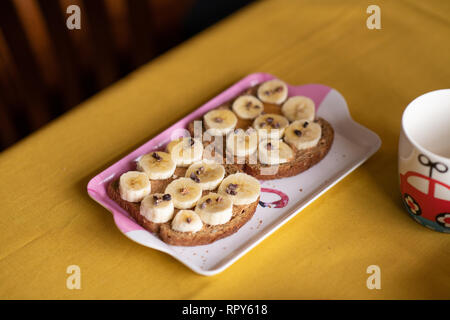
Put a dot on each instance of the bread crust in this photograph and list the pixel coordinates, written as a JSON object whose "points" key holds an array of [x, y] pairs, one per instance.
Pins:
{"points": [[208, 234]]}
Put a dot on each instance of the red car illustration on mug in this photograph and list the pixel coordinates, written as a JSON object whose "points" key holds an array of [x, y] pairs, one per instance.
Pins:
{"points": [[426, 197]]}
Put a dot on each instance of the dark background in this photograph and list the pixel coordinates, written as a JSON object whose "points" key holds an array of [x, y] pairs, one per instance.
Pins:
{"points": [[46, 69]]}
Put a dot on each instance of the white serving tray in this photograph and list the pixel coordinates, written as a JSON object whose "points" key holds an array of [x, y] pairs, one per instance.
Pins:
{"points": [[353, 144]]}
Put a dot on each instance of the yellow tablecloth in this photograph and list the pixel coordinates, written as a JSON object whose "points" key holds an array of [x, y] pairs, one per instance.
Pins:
{"points": [[48, 221]]}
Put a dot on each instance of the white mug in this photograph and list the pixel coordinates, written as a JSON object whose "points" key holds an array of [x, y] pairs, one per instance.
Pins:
{"points": [[424, 160]]}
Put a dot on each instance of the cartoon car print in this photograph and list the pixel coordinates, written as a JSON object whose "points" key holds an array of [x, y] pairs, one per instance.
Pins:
{"points": [[425, 197]]}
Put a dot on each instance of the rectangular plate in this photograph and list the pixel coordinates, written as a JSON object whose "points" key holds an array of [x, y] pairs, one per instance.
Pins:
{"points": [[353, 144]]}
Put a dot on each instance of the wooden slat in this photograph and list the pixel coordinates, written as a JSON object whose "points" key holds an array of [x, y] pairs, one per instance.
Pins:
{"points": [[105, 61], [8, 131], [65, 52], [31, 83], [142, 34]]}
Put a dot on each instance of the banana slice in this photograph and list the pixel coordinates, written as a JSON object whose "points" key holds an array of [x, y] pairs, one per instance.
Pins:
{"points": [[273, 151], [273, 91], [134, 186], [185, 193], [214, 209], [157, 165], [208, 175], [270, 125], [299, 108], [157, 207], [247, 107], [242, 143], [187, 221], [185, 151], [241, 188], [220, 121], [303, 134]]}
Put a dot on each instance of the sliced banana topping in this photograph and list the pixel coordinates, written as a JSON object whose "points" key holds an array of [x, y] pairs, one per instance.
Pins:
{"points": [[187, 221], [219, 122], [185, 193], [299, 108], [274, 151], [157, 165], [270, 125], [273, 91], [157, 207], [247, 107], [303, 134], [208, 175], [242, 143], [134, 186], [185, 151], [241, 188], [214, 209]]}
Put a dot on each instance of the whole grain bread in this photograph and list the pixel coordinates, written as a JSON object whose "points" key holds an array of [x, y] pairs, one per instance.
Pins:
{"points": [[303, 160], [208, 234]]}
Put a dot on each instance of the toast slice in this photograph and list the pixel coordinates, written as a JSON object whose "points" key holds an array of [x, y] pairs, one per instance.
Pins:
{"points": [[208, 234], [303, 160]]}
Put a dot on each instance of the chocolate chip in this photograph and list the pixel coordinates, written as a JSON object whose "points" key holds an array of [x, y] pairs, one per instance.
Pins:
{"points": [[269, 120], [276, 125], [218, 120], [156, 156], [208, 200], [278, 89], [167, 197], [188, 220], [231, 189], [297, 132], [305, 124], [194, 177], [156, 199]]}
